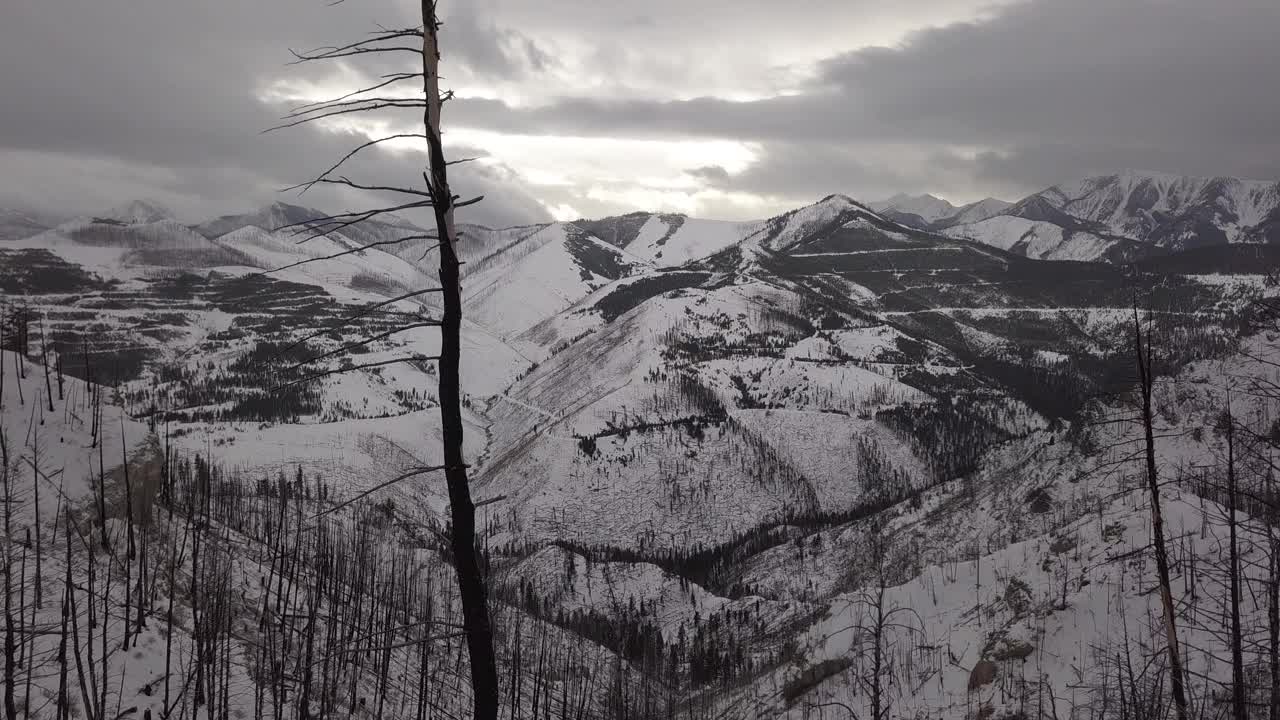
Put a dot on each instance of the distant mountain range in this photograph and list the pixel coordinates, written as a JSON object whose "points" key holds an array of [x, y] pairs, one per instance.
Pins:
{"points": [[1123, 217], [926, 212], [1120, 218]]}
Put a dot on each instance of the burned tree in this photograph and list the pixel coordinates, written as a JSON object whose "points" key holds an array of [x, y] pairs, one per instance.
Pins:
{"points": [[1146, 380], [437, 195]]}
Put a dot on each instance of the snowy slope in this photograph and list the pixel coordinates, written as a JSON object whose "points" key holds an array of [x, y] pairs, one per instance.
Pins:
{"points": [[122, 250], [59, 442], [1024, 586], [974, 212], [1033, 239], [673, 240], [544, 273], [370, 271], [1170, 210]]}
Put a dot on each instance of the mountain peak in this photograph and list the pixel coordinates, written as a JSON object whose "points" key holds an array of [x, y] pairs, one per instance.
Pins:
{"points": [[837, 199], [138, 211], [928, 208], [1132, 174]]}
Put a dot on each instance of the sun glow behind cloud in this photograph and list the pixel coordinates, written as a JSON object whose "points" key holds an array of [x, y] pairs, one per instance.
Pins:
{"points": [[572, 175], [615, 173], [569, 173]]}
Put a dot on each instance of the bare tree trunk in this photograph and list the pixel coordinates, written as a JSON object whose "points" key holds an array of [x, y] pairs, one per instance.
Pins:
{"points": [[878, 711], [10, 630], [35, 490], [10, 710], [128, 511], [1157, 520], [44, 360], [1239, 710], [1273, 625], [475, 609]]}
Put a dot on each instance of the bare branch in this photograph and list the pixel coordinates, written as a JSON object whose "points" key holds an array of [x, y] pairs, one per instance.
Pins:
{"points": [[352, 251], [388, 80], [360, 186], [335, 104], [307, 185], [367, 45], [398, 104], [412, 473], [319, 227]]}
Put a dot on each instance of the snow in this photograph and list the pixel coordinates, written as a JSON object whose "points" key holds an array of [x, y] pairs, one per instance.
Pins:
{"points": [[1126, 202], [514, 290], [807, 385], [1170, 210], [1048, 595], [351, 455], [978, 211], [1236, 281], [60, 441], [1039, 240], [372, 268], [668, 241], [781, 412], [613, 588], [794, 226]]}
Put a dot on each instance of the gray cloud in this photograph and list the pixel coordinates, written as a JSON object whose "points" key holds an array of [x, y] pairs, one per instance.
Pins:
{"points": [[714, 175], [162, 102], [103, 105], [489, 51], [1033, 95]]}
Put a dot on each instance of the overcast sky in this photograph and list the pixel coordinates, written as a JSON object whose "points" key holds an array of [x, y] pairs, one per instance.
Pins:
{"points": [[720, 108]]}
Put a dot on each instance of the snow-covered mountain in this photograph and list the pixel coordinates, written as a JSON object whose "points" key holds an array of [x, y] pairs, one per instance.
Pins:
{"points": [[549, 270], [1171, 211], [711, 453], [927, 212], [1131, 214], [138, 211], [974, 212], [927, 208], [668, 240]]}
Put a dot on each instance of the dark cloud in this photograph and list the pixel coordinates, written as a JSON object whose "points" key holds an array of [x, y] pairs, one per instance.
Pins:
{"points": [[714, 175], [487, 50], [807, 171], [163, 101], [1036, 93]]}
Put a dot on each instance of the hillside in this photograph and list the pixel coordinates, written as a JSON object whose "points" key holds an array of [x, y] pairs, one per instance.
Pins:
{"points": [[710, 455]]}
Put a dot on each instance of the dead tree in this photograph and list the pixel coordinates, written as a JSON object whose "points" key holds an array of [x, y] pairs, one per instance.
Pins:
{"points": [[422, 42], [475, 608], [1273, 611], [10, 627], [1146, 379], [1239, 708]]}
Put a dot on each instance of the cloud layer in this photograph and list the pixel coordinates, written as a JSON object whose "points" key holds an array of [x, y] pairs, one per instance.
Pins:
{"points": [[715, 107]]}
